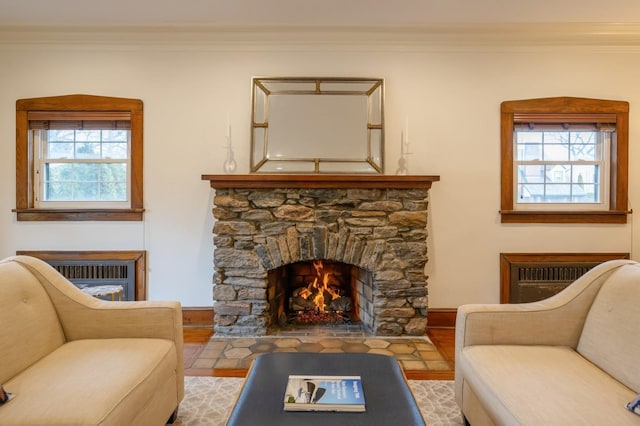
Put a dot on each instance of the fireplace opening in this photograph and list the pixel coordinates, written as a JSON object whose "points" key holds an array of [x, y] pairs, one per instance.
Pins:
{"points": [[315, 292]]}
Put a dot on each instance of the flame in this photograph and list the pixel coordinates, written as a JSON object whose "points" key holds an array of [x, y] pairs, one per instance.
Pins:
{"points": [[318, 299], [319, 286]]}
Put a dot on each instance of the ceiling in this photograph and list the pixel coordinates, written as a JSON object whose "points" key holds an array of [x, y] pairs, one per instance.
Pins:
{"points": [[414, 14]]}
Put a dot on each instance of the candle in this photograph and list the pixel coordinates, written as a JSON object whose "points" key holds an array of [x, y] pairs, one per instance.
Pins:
{"points": [[228, 128]]}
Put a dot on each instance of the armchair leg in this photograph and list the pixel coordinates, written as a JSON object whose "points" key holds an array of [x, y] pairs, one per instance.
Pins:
{"points": [[173, 417]]}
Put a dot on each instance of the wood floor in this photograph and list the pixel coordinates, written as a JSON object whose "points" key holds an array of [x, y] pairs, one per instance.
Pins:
{"points": [[196, 338]]}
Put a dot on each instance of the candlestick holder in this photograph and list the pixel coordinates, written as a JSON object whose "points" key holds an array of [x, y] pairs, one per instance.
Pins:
{"points": [[229, 162], [402, 167], [403, 163]]}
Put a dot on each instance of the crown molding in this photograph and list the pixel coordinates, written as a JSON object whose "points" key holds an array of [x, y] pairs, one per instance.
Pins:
{"points": [[498, 35]]}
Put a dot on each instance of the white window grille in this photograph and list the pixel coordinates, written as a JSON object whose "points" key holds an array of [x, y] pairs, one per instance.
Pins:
{"points": [[82, 164], [562, 166]]}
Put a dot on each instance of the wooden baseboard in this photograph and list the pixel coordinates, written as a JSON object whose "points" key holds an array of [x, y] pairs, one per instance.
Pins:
{"points": [[197, 317], [442, 318], [203, 317]]}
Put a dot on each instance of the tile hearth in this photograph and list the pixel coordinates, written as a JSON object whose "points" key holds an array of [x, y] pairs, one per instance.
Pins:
{"points": [[413, 353]]}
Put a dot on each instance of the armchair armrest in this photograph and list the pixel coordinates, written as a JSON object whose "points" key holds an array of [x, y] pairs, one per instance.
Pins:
{"points": [[556, 321], [86, 317]]}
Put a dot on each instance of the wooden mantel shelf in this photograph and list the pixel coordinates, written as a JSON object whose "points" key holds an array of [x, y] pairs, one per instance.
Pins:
{"points": [[320, 181]]}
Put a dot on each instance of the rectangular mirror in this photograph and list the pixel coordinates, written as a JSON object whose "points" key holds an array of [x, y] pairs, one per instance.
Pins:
{"points": [[317, 125]]}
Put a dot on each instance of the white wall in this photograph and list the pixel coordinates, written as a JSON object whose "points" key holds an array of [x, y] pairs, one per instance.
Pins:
{"points": [[451, 97]]}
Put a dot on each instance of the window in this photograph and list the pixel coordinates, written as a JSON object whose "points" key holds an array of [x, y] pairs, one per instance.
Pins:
{"points": [[561, 165], [79, 157], [83, 163], [564, 160]]}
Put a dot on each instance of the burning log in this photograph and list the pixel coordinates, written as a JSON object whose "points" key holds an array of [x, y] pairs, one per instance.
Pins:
{"points": [[319, 318], [302, 292], [341, 304], [304, 299], [301, 304]]}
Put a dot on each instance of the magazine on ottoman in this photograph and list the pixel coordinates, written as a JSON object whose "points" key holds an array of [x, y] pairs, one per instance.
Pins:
{"points": [[324, 393]]}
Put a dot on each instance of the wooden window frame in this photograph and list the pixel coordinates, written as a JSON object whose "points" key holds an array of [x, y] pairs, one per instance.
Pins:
{"points": [[25, 173], [618, 162]]}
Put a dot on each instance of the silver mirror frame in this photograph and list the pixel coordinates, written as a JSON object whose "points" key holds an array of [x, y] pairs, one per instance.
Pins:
{"points": [[360, 93]]}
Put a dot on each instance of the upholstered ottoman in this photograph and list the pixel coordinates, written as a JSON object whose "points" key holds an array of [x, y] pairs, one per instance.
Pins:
{"points": [[388, 398]]}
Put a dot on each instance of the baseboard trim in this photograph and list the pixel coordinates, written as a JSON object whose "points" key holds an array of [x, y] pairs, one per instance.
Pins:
{"points": [[203, 317], [197, 316], [442, 318]]}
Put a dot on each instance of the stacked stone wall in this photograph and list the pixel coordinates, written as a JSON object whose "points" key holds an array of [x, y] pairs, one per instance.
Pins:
{"points": [[382, 231]]}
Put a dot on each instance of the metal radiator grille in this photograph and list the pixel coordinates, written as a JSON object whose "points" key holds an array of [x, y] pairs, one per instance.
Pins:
{"points": [[548, 273], [530, 283], [87, 273]]}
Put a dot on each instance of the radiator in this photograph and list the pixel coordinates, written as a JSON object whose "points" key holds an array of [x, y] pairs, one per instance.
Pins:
{"points": [[532, 283], [88, 273]]}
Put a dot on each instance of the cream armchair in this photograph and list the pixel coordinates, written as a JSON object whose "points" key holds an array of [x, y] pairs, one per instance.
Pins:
{"points": [[70, 358], [569, 359]]}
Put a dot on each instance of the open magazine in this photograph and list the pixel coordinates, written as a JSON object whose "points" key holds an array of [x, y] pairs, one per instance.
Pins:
{"points": [[5, 396], [634, 405], [324, 393]]}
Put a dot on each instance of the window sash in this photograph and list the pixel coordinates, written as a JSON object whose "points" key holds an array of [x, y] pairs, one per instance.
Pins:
{"points": [[546, 186], [42, 164]]}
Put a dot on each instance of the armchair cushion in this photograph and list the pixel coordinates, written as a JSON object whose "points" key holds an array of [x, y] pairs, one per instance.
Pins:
{"points": [[545, 385], [113, 377]]}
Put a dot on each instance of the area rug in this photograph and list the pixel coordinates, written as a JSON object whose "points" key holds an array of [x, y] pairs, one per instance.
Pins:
{"points": [[208, 400]]}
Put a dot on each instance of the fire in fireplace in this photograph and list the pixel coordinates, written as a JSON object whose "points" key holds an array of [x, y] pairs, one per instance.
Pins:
{"points": [[317, 292]]}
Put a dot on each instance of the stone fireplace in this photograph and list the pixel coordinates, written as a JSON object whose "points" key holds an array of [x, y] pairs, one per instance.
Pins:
{"points": [[373, 227]]}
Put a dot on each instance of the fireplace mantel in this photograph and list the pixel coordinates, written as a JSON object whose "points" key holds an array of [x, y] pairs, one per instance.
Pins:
{"points": [[320, 181]]}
